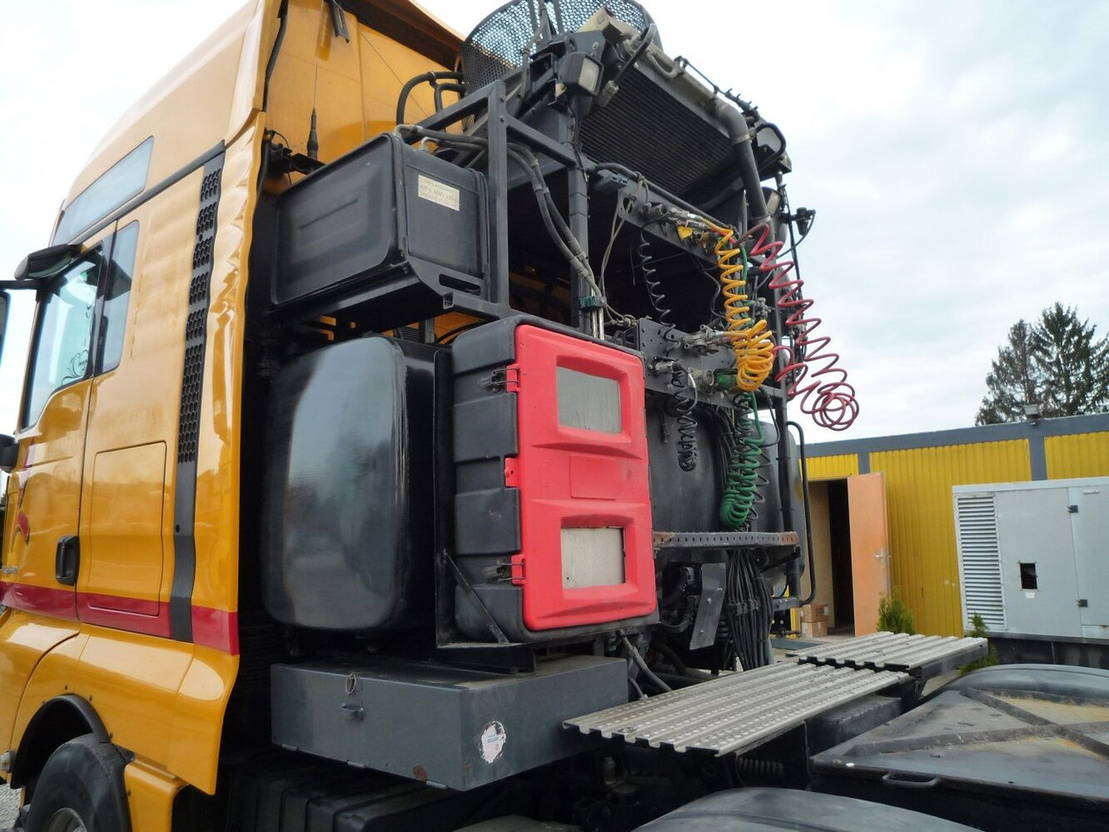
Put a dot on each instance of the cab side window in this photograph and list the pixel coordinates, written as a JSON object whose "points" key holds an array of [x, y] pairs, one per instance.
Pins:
{"points": [[117, 294], [63, 335]]}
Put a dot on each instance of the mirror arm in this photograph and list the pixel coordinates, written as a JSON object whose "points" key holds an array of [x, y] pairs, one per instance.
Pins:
{"points": [[30, 283]]}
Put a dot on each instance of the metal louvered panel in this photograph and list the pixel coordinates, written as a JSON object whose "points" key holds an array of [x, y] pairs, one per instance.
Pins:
{"points": [[979, 559]]}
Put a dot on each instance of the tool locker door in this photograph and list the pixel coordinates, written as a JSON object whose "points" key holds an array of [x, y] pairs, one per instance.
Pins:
{"points": [[1090, 527]]}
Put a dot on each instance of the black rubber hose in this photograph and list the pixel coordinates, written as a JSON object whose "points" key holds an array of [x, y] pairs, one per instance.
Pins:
{"points": [[740, 134], [412, 83], [283, 18], [808, 517], [639, 660]]}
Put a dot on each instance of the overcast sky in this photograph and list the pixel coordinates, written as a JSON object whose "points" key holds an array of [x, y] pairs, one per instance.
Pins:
{"points": [[956, 152]]}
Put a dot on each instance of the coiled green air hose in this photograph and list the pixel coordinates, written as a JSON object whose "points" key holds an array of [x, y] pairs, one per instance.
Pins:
{"points": [[741, 481]]}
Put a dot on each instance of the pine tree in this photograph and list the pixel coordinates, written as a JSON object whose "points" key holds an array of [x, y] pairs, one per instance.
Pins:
{"points": [[1011, 381], [1075, 364], [1058, 363]]}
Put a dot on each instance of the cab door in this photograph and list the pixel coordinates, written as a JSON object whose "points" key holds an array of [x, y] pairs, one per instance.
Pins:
{"points": [[41, 560]]}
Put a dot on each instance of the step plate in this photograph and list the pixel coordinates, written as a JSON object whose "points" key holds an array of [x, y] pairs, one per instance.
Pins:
{"points": [[735, 712], [921, 656]]}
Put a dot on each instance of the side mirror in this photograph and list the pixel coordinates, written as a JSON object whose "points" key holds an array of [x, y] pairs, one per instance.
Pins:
{"points": [[9, 453], [5, 303], [47, 262]]}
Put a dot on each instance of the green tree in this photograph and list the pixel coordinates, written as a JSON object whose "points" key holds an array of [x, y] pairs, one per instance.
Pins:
{"points": [[1057, 363]]}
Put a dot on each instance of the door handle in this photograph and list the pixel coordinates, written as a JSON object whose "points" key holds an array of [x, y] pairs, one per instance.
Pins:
{"points": [[67, 560], [907, 780]]}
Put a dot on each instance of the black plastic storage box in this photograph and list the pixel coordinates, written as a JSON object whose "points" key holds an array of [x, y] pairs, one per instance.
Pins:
{"points": [[347, 535], [388, 229]]}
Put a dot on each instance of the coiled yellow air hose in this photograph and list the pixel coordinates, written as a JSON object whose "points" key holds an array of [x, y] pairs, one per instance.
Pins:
{"points": [[752, 341]]}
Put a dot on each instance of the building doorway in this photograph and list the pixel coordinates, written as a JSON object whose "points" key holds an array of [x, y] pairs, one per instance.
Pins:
{"points": [[850, 550]]}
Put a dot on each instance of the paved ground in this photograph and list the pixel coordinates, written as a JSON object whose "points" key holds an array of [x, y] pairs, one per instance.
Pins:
{"points": [[9, 805]]}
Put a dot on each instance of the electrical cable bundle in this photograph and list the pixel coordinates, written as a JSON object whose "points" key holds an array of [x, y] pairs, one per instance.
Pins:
{"points": [[747, 613], [810, 370], [751, 341]]}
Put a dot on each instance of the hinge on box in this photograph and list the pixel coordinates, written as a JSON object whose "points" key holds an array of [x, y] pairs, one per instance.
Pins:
{"points": [[506, 378], [518, 570], [1073, 509]]}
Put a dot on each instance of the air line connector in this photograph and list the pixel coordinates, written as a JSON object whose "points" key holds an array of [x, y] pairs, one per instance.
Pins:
{"points": [[590, 302], [662, 365]]}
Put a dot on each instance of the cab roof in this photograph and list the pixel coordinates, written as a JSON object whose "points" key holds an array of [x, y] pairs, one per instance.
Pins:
{"points": [[220, 84]]}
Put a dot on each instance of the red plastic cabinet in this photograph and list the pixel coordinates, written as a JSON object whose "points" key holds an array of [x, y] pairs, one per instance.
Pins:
{"points": [[582, 476]]}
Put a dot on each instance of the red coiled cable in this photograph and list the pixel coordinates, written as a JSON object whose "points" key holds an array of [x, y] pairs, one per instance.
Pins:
{"points": [[813, 374]]}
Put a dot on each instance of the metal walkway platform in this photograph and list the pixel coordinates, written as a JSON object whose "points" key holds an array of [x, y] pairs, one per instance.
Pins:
{"points": [[739, 711], [920, 656], [735, 712]]}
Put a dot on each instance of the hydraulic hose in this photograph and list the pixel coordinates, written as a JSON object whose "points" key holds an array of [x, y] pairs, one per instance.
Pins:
{"points": [[427, 78]]}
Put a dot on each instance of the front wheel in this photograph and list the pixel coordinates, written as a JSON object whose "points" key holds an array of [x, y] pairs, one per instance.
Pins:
{"points": [[81, 789]]}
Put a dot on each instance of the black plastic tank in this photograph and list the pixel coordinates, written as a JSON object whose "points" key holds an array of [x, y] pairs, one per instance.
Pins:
{"points": [[347, 533]]}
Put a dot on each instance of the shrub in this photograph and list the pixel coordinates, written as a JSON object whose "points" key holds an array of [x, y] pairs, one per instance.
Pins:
{"points": [[978, 630], [894, 616]]}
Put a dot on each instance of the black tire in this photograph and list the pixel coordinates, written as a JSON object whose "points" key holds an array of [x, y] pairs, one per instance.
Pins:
{"points": [[82, 780]]}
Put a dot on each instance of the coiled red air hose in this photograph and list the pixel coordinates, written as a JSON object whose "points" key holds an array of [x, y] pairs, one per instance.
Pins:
{"points": [[811, 369]]}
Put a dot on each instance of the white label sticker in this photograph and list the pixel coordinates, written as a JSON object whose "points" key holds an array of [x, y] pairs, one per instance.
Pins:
{"points": [[493, 738], [438, 192]]}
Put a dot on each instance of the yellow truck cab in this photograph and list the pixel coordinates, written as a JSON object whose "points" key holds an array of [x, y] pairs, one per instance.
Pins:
{"points": [[405, 444], [122, 524]]}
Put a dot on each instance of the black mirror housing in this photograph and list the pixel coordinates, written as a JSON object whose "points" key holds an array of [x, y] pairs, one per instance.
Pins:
{"points": [[9, 453], [47, 262], [5, 305]]}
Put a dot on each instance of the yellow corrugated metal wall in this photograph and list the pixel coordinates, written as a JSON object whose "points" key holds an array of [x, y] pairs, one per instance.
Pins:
{"points": [[922, 527], [1076, 455], [832, 467], [924, 565]]}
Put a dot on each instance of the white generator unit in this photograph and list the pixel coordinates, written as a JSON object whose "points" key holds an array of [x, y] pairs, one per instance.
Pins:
{"points": [[1034, 557]]}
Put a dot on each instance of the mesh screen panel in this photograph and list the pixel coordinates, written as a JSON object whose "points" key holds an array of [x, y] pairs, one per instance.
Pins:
{"points": [[498, 44]]}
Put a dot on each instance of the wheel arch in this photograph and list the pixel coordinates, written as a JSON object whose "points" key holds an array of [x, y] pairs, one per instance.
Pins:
{"points": [[59, 720]]}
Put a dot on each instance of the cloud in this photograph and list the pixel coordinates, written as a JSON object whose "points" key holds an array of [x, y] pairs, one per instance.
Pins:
{"points": [[957, 155]]}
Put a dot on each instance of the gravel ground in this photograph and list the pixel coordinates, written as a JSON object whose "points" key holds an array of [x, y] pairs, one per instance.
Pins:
{"points": [[9, 805]]}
